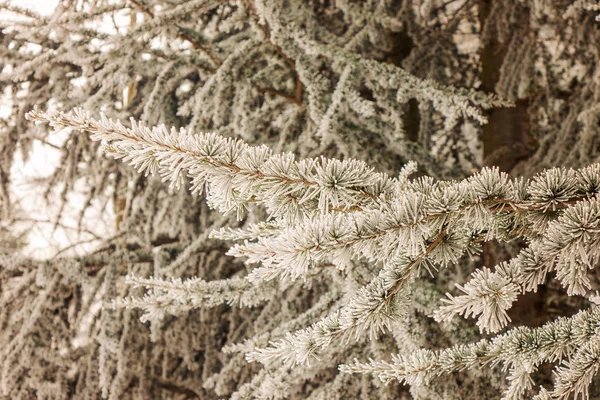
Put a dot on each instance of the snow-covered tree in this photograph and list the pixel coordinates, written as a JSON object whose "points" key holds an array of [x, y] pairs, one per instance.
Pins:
{"points": [[312, 196]]}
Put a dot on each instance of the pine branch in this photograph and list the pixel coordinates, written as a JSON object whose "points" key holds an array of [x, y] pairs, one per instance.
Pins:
{"points": [[180, 32], [551, 342], [486, 205], [176, 296], [569, 247], [235, 173]]}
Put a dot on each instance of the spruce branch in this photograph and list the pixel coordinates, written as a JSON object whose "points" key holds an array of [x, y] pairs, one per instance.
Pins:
{"points": [[488, 295], [236, 174], [266, 29], [450, 101], [337, 253], [569, 247], [177, 296], [487, 204], [553, 341], [169, 17], [372, 310]]}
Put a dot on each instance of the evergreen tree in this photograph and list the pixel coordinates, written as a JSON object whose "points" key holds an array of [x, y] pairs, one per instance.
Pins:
{"points": [[375, 171]]}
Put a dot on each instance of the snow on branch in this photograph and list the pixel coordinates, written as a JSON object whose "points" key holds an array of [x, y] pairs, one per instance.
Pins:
{"points": [[235, 174], [483, 207], [343, 214], [369, 311], [178, 296], [570, 247], [488, 294], [450, 101], [575, 337]]}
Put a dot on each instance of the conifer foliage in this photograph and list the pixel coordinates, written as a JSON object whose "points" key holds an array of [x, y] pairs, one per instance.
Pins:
{"points": [[329, 237]]}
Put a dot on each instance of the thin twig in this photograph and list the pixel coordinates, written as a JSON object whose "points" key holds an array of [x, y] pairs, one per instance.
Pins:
{"points": [[297, 98], [181, 34]]}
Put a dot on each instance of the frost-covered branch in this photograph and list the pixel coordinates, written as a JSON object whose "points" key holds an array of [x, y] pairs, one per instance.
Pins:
{"points": [[486, 205], [574, 337], [344, 259], [569, 247], [234, 173], [450, 101], [488, 295], [178, 296]]}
